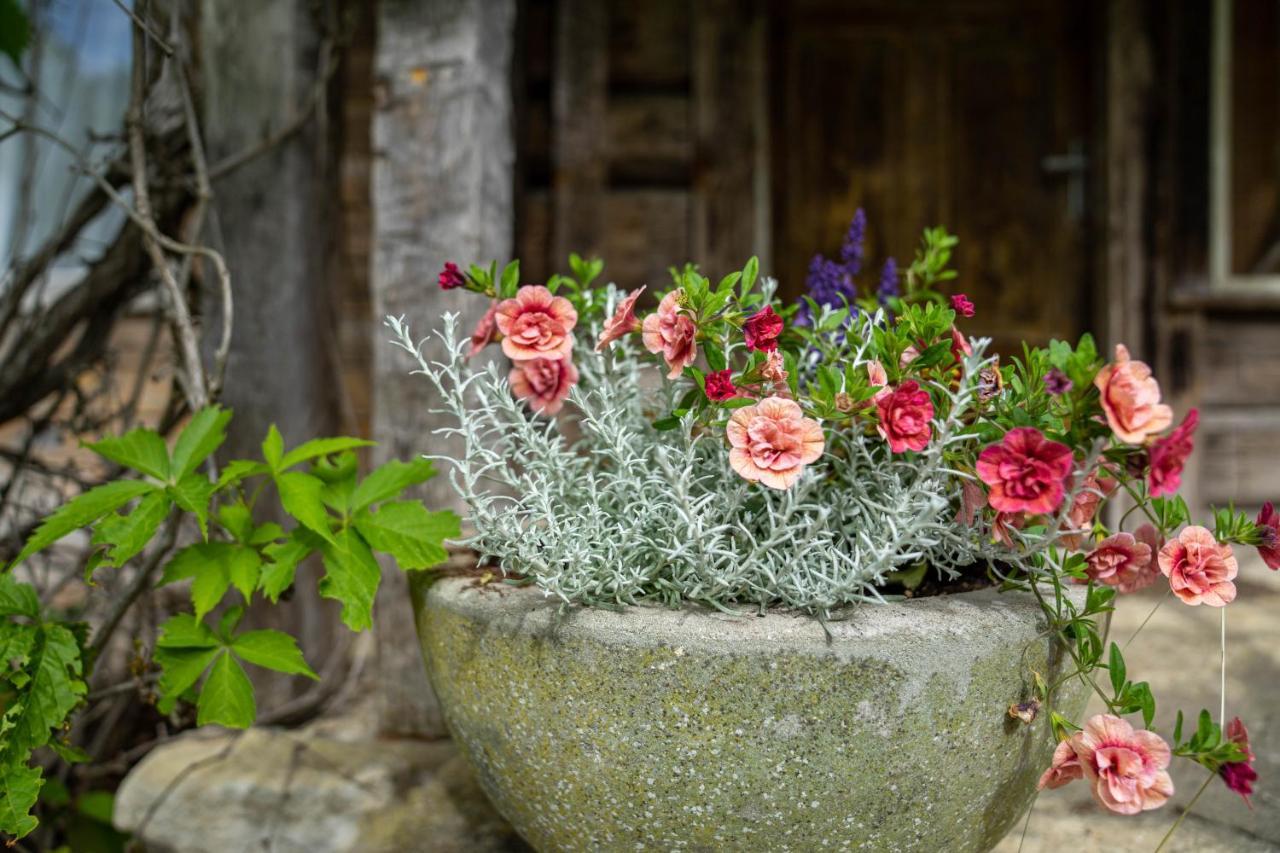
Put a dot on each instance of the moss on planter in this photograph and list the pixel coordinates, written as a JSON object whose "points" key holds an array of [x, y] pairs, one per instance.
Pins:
{"points": [[679, 729]]}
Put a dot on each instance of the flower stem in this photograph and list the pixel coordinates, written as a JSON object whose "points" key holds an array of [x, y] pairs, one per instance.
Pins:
{"points": [[1222, 708], [1145, 621], [1186, 811]]}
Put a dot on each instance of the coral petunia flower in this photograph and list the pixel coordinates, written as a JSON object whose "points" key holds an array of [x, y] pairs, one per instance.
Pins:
{"points": [[761, 330], [671, 333], [1025, 472], [1131, 399], [1169, 455], [535, 323], [486, 331], [772, 441], [623, 322], [1126, 768], [906, 417], [543, 383], [1121, 561], [1269, 548], [1200, 569]]}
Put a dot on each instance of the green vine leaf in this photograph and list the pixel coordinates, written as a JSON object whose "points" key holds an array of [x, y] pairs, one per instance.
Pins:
{"points": [[203, 434], [282, 562], [389, 480], [318, 447], [18, 599], [84, 510], [214, 567], [272, 650], [19, 789], [409, 532], [192, 493], [227, 696], [124, 536], [351, 576], [140, 449], [301, 496]]}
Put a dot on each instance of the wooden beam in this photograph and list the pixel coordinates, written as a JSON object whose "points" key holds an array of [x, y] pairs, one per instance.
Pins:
{"points": [[579, 91], [731, 163]]}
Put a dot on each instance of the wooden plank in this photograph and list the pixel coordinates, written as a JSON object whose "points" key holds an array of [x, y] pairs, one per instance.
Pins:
{"points": [[649, 139], [646, 232], [649, 44], [730, 216], [1238, 457], [533, 240], [579, 91], [1240, 361]]}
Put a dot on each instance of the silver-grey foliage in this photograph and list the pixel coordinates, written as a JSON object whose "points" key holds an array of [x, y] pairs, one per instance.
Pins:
{"points": [[626, 513]]}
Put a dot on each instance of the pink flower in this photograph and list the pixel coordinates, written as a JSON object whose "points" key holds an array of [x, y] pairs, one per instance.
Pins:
{"points": [[1169, 454], [774, 371], [451, 277], [1121, 561], [1148, 535], [623, 322], [671, 332], [486, 331], [1065, 767], [1199, 568], [1131, 399], [1239, 776], [972, 500], [1057, 383], [1003, 525], [1269, 547], [1125, 767], [1084, 508], [878, 378], [536, 324], [1026, 472], [960, 348], [720, 386], [762, 328], [543, 382], [772, 441], [910, 354], [906, 417], [962, 306]]}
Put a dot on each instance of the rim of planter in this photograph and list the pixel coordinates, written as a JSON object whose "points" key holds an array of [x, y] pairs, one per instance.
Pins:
{"points": [[894, 734]]}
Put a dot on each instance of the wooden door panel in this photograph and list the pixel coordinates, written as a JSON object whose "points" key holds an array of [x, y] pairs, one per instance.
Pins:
{"points": [[926, 120]]}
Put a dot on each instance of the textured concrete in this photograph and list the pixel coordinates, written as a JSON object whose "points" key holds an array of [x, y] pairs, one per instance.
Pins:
{"points": [[1178, 653], [665, 729]]}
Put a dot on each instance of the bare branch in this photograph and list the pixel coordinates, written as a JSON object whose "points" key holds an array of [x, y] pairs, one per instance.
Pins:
{"points": [[146, 28]]}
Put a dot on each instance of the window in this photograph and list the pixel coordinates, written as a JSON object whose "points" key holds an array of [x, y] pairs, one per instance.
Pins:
{"points": [[1244, 239]]}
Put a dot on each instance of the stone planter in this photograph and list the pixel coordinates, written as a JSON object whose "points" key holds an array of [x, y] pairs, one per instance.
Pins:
{"points": [[681, 729]]}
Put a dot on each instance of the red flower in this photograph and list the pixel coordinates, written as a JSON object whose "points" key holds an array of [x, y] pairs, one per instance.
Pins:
{"points": [[762, 329], [906, 417], [1026, 472], [962, 305], [1169, 454], [1239, 776], [1269, 547], [451, 276], [486, 331], [719, 386]]}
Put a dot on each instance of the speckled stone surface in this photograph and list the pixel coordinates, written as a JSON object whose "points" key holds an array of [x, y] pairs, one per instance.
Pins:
{"points": [[655, 729]]}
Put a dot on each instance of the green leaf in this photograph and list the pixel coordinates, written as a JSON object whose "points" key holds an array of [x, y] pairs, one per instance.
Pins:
{"points": [[510, 280], [227, 696], [140, 449], [18, 599], [209, 586], [273, 448], [126, 535], [96, 805], [389, 480], [19, 790], [180, 669], [1117, 670], [192, 493], [238, 521], [228, 622], [282, 562], [85, 509], [15, 30], [204, 434], [184, 631], [55, 687], [243, 569], [351, 576], [272, 650], [409, 533], [320, 447], [300, 495], [238, 469]]}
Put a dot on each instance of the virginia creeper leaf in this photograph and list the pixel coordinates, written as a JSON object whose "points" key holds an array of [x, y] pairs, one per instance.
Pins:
{"points": [[226, 698], [204, 434], [389, 480], [85, 509], [351, 576], [140, 449], [409, 533], [272, 650]]}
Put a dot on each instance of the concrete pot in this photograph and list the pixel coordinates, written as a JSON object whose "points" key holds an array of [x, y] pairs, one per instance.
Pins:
{"points": [[686, 729]]}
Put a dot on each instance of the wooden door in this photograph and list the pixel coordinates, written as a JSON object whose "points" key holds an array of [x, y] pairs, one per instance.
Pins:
{"points": [[967, 114]]}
